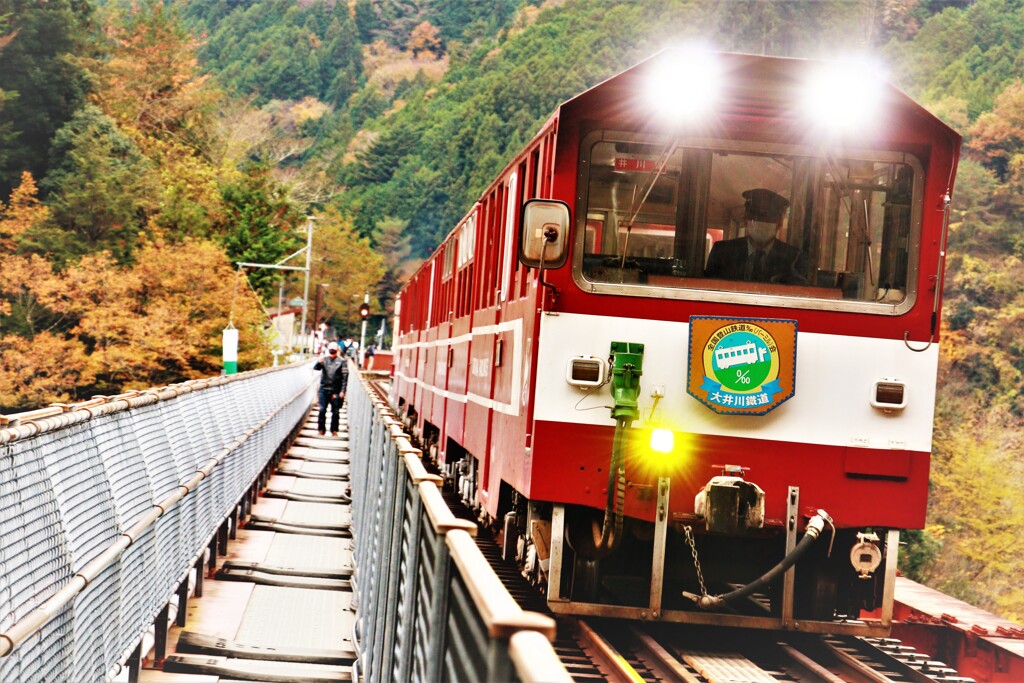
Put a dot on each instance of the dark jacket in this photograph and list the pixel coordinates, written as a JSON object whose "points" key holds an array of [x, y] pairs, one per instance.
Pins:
{"points": [[783, 263], [333, 374]]}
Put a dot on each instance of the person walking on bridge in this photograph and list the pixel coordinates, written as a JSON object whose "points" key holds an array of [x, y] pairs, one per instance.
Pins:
{"points": [[333, 382]]}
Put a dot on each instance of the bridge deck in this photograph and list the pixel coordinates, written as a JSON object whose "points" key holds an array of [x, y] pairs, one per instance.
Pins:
{"points": [[279, 606]]}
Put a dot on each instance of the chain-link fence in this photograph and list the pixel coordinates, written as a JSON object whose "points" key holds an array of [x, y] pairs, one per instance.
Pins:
{"points": [[106, 505], [429, 607]]}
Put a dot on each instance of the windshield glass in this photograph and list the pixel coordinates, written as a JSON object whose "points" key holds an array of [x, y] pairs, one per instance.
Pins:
{"points": [[766, 220]]}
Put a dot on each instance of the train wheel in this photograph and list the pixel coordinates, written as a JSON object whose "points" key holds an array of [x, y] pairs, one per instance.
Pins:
{"points": [[583, 529]]}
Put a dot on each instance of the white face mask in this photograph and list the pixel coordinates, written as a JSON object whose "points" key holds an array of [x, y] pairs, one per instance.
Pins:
{"points": [[761, 234]]}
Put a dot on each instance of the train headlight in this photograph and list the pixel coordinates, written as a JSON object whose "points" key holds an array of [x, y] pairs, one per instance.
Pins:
{"points": [[845, 95], [662, 440], [684, 84]]}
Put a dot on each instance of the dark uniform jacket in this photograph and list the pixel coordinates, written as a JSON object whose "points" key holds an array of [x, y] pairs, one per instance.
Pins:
{"points": [[333, 374], [783, 263]]}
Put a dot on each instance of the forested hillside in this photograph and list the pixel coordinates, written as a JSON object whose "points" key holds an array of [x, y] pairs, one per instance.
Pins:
{"points": [[143, 141], [130, 183]]}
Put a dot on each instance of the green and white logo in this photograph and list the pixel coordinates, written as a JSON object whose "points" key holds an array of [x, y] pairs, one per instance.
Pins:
{"points": [[736, 364], [742, 361]]}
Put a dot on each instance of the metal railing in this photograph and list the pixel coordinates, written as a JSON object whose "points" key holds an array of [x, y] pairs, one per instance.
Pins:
{"points": [[106, 505], [429, 607]]}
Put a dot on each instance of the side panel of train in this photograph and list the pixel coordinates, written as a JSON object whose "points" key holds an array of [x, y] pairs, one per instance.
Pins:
{"points": [[466, 339]]}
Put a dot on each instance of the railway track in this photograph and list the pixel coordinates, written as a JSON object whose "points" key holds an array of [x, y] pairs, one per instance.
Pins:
{"points": [[643, 652], [616, 650]]}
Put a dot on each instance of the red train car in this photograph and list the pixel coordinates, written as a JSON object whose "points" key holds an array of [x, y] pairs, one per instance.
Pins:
{"points": [[689, 329]]}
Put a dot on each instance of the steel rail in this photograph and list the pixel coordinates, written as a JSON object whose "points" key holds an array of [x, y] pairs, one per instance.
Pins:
{"points": [[861, 667], [25, 627], [659, 659], [814, 668], [842, 649], [604, 654]]}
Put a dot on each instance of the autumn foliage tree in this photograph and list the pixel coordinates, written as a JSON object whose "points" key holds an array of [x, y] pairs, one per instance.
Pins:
{"points": [[48, 368], [22, 213], [160, 319], [150, 81], [115, 327], [347, 263], [425, 38], [997, 137], [22, 277]]}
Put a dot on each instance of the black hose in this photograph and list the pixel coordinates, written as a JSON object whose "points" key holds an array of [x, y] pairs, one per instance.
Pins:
{"points": [[769, 577]]}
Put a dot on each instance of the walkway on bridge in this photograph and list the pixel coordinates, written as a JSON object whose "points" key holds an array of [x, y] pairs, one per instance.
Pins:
{"points": [[281, 600], [116, 510]]}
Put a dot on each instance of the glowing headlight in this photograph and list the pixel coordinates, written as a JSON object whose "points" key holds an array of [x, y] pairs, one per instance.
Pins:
{"points": [[844, 95], [662, 440], [684, 84]]}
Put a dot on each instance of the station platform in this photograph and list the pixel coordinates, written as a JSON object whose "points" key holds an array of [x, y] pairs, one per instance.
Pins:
{"points": [[279, 605]]}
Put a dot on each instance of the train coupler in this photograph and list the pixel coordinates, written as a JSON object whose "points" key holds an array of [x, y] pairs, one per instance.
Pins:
{"points": [[729, 504]]}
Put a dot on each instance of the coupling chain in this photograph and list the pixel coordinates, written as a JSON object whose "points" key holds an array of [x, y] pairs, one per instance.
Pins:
{"points": [[688, 530]]}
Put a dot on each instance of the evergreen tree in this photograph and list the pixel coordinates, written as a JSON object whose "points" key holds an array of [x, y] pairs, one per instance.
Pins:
{"points": [[454, 17], [341, 66], [259, 225], [366, 20], [37, 65], [99, 190], [282, 50]]}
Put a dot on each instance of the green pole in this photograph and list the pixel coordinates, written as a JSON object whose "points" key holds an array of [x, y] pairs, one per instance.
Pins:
{"points": [[230, 344]]}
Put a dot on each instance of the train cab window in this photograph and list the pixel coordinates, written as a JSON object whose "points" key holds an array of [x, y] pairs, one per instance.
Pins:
{"points": [[689, 220]]}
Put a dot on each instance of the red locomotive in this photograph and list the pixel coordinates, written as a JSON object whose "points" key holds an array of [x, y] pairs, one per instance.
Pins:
{"points": [[691, 328]]}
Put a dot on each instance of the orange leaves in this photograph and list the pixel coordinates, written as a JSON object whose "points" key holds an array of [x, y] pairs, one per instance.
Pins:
{"points": [[98, 327], [346, 262], [425, 38], [27, 285], [44, 369], [997, 137], [151, 81], [22, 212], [162, 319]]}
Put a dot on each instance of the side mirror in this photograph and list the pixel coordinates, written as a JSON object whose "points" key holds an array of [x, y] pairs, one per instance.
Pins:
{"points": [[544, 236]]}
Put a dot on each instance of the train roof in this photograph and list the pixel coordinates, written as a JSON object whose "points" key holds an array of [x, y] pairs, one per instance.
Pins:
{"points": [[753, 85]]}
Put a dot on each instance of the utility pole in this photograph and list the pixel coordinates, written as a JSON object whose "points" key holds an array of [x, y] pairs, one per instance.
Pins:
{"points": [[362, 334], [305, 291]]}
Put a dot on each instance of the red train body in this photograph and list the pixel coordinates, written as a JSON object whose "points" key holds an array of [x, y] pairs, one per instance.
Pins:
{"points": [[810, 389]]}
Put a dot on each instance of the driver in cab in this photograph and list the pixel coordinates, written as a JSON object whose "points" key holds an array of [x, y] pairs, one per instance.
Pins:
{"points": [[759, 256]]}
